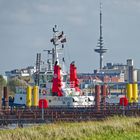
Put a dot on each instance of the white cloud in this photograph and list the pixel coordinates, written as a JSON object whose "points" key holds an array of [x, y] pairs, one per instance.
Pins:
{"points": [[63, 9], [127, 3], [23, 16], [70, 11], [76, 20], [118, 21], [11, 13]]}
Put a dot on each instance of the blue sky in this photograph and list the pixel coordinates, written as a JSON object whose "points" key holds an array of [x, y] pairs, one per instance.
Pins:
{"points": [[26, 29]]}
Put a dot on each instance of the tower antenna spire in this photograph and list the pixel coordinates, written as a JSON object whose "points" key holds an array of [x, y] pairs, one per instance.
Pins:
{"points": [[100, 19], [101, 50]]}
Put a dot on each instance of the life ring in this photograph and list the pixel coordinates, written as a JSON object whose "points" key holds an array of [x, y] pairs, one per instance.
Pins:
{"points": [[44, 91]]}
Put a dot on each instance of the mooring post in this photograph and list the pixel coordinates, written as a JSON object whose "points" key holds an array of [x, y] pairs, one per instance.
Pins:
{"points": [[97, 98], [6, 98], [103, 96], [42, 110]]}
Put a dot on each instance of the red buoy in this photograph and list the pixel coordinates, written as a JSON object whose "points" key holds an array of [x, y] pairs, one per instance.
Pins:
{"points": [[123, 101], [43, 103]]}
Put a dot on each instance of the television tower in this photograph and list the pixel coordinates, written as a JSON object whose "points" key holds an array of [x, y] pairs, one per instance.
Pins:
{"points": [[101, 50]]}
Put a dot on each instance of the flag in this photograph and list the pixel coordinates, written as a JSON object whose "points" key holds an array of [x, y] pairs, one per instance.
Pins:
{"points": [[63, 40], [52, 40], [61, 35]]}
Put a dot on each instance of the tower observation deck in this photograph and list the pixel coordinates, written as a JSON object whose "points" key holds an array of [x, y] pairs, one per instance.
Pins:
{"points": [[101, 50]]}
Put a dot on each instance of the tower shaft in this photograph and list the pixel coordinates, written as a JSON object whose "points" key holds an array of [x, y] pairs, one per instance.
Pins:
{"points": [[101, 60], [101, 50]]}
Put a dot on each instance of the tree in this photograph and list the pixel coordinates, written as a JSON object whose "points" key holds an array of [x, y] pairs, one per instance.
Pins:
{"points": [[15, 82], [2, 82]]}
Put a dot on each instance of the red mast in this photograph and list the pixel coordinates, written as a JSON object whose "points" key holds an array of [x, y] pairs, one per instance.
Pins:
{"points": [[58, 38]]}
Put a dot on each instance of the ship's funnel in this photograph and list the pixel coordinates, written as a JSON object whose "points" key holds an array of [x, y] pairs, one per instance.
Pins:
{"points": [[74, 82], [57, 85]]}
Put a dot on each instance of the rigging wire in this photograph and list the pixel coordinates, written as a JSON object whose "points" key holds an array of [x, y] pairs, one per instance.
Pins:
{"points": [[67, 56]]}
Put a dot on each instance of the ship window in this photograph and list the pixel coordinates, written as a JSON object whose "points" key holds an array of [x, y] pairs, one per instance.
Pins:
{"points": [[49, 101], [64, 78], [39, 90], [20, 98], [63, 102], [68, 103], [42, 85], [73, 100], [49, 78]]}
